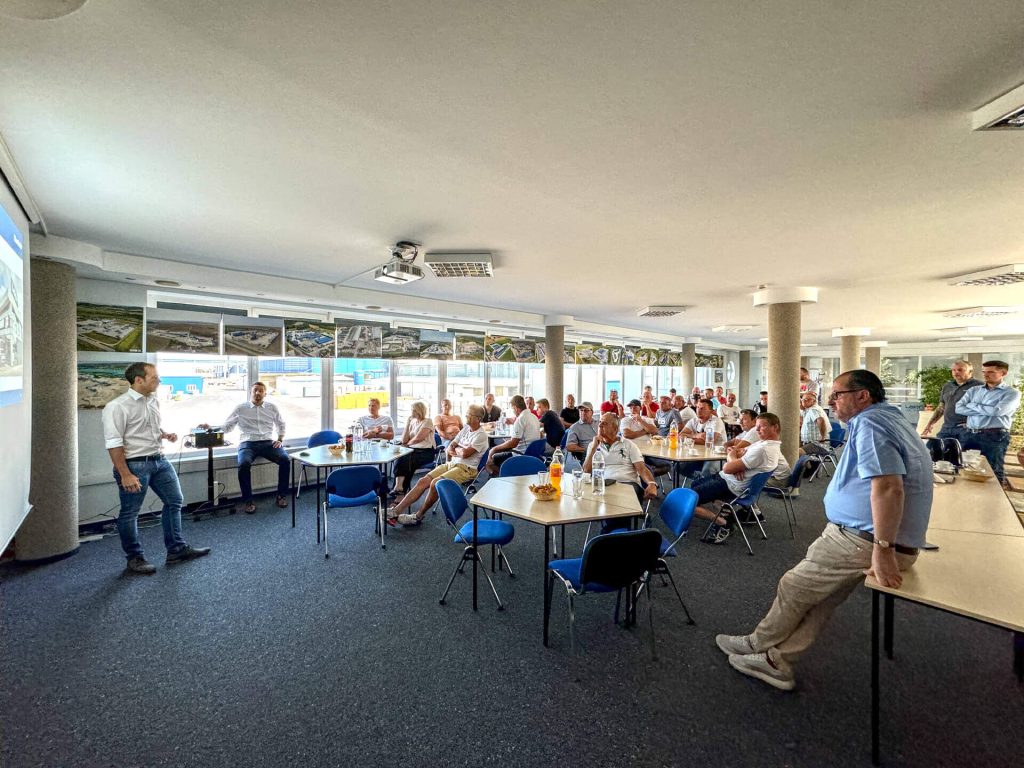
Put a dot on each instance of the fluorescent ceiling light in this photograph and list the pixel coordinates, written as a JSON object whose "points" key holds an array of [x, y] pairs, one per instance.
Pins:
{"points": [[981, 311], [1009, 274], [731, 328]]}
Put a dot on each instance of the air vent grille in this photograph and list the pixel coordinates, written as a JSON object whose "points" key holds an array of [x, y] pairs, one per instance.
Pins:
{"points": [[660, 310], [1008, 275], [981, 311], [460, 264], [731, 328]]}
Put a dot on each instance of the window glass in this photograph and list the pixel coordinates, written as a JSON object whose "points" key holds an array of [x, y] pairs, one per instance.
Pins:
{"points": [[355, 382], [293, 384], [200, 389], [650, 376], [465, 387], [593, 382], [570, 385], [632, 383], [504, 383], [533, 380], [613, 380], [897, 377], [416, 381]]}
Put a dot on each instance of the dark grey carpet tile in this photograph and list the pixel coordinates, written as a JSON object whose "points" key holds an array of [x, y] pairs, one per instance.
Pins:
{"points": [[265, 654]]}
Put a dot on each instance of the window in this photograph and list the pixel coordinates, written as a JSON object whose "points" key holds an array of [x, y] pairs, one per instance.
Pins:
{"points": [[593, 385], [613, 380], [534, 383], [416, 381], [504, 382], [293, 383], [632, 383], [199, 389], [570, 385], [465, 386], [355, 382]]}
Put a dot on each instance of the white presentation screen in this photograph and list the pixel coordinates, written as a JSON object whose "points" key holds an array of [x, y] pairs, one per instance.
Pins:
{"points": [[12, 312]]}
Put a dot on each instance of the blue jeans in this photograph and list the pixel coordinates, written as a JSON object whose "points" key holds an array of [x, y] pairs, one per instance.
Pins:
{"points": [[952, 430], [251, 450], [158, 474], [993, 446]]}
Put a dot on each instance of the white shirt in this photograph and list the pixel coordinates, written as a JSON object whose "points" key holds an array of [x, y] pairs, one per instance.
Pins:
{"points": [[414, 426], [730, 414], [369, 422], [762, 456], [467, 438], [619, 458], [132, 421], [809, 432], [750, 435], [630, 422], [699, 427], [783, 470], [256, 422], [687, 414], [526, 427]]}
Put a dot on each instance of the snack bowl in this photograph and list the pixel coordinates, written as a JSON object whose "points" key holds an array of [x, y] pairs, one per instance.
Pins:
{"points": [[977, 475], [544, 492], [336, 450]]}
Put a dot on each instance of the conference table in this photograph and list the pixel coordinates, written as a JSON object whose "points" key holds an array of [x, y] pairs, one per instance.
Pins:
{"points": [[659, 449], [977, 572], [373, 453], [511, 496]]}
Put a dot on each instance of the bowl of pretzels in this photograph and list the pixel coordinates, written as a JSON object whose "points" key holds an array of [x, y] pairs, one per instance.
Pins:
{"points": [[544, 492]]}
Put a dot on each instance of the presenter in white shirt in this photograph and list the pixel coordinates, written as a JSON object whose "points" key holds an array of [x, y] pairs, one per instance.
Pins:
{"points": [[261, 429], [133, 438]]}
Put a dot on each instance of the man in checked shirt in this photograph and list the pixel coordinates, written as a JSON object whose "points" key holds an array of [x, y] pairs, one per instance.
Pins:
{"points": [[258, 422]]}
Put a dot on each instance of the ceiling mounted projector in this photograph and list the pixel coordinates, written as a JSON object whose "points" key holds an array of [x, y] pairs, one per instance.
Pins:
{"points": [[400, 269]]}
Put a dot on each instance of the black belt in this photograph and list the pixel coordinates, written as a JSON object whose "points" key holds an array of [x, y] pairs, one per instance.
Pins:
{"points": [[869, 536], [988, 429], [153, 456]]}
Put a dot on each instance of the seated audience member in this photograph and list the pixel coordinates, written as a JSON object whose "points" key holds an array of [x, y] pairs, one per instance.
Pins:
{"points": [[525, 429], [761, 406], [672, 393], [729, 413], [623, 463], [261, 429], [814, 426], [709, 395], [637, 424], [692, 402], [748, 430], [695, 392], [570, 414], [697, 426], [685, 411], [740, 468], [720, 395], [463, 454], [807, 384], [552, 425], [418, 435], [447, 424], [648, 403], [531, 406], [582, 433], [492, 413], [666, 417], [376, 425], [612, 404]]}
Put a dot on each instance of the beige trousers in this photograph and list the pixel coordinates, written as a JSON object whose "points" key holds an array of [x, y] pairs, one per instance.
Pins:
{"points": [[808, 593]]}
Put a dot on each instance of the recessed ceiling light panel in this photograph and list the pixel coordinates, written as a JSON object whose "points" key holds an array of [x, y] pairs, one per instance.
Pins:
{"points": [[1007, 275], [981, 311], [661, 310], [731, 328]]}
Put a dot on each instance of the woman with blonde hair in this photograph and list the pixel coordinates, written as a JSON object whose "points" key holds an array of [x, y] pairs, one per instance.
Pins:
{"points": [[418, 435]]}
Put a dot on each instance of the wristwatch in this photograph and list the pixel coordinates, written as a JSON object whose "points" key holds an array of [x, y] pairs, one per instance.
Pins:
{"points": [[883, 543]]}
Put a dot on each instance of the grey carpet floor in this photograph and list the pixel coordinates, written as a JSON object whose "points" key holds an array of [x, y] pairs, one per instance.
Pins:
{"points": [[265, 654]]}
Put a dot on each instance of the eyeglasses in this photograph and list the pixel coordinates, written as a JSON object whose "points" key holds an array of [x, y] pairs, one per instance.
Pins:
{"points": [[836, 393]]}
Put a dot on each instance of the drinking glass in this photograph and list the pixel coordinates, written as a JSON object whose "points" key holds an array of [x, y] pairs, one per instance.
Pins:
{"points": [[577, 483]]}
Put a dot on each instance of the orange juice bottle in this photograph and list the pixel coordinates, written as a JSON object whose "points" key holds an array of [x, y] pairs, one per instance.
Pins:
{"points": [[555, 469], [673, 437]]}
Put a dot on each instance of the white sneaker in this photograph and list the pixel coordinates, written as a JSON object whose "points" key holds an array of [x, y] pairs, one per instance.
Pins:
{"points": [[766, 667], [407, 519], [734, 644]]}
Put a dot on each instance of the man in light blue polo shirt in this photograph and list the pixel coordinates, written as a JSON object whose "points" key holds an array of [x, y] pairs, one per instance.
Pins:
{"points": [[989, 411], [877, 504]]}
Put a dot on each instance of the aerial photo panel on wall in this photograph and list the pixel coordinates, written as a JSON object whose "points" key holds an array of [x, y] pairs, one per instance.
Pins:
{"points": [[257, 336], [308, 338], [359, 339], [101, 382], [196, 333], [109, 328]]}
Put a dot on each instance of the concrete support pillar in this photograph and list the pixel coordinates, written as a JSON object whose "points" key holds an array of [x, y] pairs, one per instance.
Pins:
{"points": [[689, 369], [784, 373], [976, 359], [743, 396], [50, 531], [554, 366], [873, 360], [849, 353]]}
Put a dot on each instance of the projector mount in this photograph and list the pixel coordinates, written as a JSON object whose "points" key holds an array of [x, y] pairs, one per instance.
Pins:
{"points": [[405, 250]]}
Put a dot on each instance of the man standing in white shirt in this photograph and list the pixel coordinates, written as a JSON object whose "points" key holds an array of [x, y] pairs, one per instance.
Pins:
{"points": [[261, 429], [729, 413], [525, 429], [133, 435], [375, 425]]}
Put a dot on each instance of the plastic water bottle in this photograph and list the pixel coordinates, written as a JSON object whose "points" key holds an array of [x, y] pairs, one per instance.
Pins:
{"points": [[555, 468], [709, 436], [597, 473], [357, 436]]}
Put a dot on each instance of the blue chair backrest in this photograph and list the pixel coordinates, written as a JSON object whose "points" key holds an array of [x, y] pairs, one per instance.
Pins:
{"points": [[453, 502], [536, 448], [352, 482], [565, 436], [324, 437], [519, 466], [837, 433], [757, 484], [616, 560], [677, 509], [438, 442], [483, 460]]}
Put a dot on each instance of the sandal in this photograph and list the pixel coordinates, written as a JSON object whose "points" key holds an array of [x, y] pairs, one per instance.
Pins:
{"points": [[391, 520]]}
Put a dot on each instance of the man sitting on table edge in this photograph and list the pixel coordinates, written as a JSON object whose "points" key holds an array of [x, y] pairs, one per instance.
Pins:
{"points": [[258, 421], [623, 463], [463, 454], [525, 429], [740, 468]]}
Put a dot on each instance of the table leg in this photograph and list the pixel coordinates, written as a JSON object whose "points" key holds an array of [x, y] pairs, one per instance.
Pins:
{"points": [[383, 494], [544, 583], [294, 492], [318, 505], [875, 756], [1018, 656], [563, 542], [476, 556], [889, 607]]}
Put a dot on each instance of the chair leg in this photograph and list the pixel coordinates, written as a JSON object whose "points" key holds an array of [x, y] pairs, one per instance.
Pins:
{"points": [[503, 559], [381, 523], [755, 511], [787, 502], [572, 625], [327, 554], [738, 524], [487, 576], [665, 570], [456, 572]]}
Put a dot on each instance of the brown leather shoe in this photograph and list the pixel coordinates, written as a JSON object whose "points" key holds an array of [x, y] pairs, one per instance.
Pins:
{"points": [[282, 501]]}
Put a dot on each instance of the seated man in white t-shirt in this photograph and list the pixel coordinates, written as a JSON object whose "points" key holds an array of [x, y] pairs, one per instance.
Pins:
{"points": [[748, 430], [623, 463], [696, 428], [525, 429], [463, 452], [740, 468], [375, 425], [636, 425]]}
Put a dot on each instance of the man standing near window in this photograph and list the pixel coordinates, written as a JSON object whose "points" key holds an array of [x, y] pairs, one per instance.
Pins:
{"points": [[989, 411], [258, 421], [133, 435], [953, 423]]}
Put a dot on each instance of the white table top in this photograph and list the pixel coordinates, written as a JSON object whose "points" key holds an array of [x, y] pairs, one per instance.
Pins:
{"points": [[661, 451], [511, 496], [965, 505], [373, 454]]}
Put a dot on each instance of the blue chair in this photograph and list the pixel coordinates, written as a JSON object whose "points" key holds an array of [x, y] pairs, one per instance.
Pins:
{"points": [[676, 513], [536, 448], [354, 487], [748, 502], [521, 466], [323, 437], [497, 533], [565, 437], [438, 453], [611, 562], [805, 466], [475, 485], [836, 440]]}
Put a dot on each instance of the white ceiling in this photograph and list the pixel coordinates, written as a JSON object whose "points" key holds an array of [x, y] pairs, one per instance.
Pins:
{"points": [[612, 155]]}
